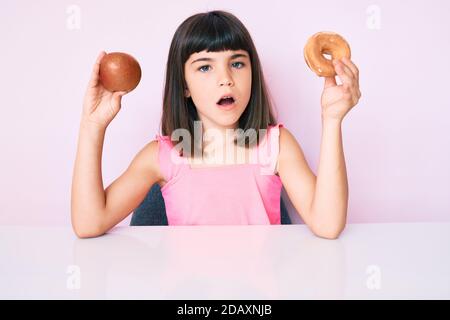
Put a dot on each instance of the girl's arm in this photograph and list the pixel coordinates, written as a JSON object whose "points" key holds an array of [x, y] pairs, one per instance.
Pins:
{"points": [[93, 209], [322, 201]]}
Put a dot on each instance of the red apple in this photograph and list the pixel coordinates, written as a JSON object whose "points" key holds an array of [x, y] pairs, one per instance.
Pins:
{"points": [[119, 72]]}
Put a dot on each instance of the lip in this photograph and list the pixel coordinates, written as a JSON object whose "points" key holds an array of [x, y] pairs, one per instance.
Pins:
{"points": [[227, 95], [227, 107]]}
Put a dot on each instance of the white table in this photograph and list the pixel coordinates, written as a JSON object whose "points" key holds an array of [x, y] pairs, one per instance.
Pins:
{"points": [[368, 261]]}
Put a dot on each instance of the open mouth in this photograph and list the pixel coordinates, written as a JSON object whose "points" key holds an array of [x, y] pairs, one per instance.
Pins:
{"points": [[226, 101]]}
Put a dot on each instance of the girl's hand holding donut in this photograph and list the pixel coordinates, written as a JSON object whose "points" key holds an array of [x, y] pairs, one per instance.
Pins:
{"points": [[100, 106], [338, 100]]}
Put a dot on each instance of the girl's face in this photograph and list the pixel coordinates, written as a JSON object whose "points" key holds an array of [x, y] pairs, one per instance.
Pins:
{"points": [[211, 75]]}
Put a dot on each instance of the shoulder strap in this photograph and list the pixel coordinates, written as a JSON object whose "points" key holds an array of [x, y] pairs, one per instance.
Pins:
{"points": [[168, 157], [268, 150]]}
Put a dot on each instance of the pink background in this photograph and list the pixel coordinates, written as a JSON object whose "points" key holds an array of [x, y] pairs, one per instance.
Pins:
{"points": [[396, 140]]}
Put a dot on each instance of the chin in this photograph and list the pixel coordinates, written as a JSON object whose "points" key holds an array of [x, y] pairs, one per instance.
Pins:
{"points": [[229, 121], [226, 123]]}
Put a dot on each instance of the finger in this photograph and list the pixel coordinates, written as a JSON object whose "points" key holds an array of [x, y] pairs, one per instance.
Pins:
{"points": [[116, 100], [348, 92], [346, 69], [118, 95], [330, 82], [344, 73], [95, 70], [355, 72], [351, 65], [351, 93]]}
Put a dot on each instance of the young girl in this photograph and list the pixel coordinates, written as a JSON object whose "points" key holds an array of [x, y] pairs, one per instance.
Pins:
{"points": [[215, 91]]}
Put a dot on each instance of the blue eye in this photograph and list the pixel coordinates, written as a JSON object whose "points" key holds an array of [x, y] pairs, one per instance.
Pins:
{"points": [[201, 68], [208, 66]]}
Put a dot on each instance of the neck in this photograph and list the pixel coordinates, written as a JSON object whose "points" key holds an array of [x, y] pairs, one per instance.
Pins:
{"points": [[216, 137], [223, 130]]}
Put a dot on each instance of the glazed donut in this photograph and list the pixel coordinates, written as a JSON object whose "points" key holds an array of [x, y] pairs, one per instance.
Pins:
{"points": [[321, 43]]}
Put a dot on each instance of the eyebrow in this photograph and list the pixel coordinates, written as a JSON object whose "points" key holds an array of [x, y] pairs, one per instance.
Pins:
{"points": [[234, 56]]}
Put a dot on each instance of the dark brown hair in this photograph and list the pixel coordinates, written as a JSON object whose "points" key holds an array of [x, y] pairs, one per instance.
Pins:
{"points": [[212, 31]]}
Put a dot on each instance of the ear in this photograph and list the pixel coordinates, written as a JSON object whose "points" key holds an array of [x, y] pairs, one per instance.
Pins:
{"points": [[187, 94]]}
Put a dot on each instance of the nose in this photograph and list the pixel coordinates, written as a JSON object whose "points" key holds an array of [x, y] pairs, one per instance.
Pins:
{"points": [[226, 79], [226, 82]]}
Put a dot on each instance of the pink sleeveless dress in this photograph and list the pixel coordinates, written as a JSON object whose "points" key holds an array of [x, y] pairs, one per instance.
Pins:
{"points": [[230, 194]]}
